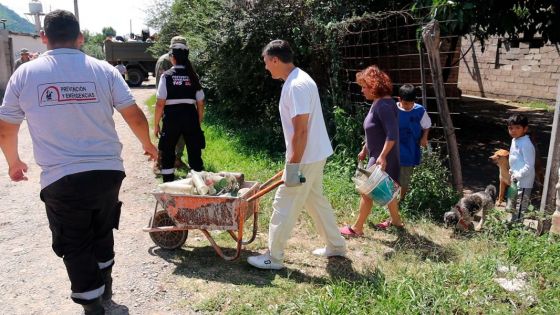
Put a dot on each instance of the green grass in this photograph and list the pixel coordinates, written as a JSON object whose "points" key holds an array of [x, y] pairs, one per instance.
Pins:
{"points": [[428, 272], [539, 105]]}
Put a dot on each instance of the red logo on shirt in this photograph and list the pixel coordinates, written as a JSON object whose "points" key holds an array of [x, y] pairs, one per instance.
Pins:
{"points": [[67, 93]]}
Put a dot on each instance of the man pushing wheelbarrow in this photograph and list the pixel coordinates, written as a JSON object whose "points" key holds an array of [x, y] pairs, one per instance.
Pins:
{"points": [[307, 149]]}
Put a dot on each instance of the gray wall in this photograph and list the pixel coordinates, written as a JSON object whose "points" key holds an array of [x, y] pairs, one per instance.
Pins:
{"points": [[5, 59], [514, 73]]}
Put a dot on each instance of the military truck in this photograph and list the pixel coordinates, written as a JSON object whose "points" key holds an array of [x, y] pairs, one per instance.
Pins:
{"points": [[135, 56]]}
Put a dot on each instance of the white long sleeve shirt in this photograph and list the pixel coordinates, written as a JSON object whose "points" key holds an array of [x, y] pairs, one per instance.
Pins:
{"points": [[522, 161]]}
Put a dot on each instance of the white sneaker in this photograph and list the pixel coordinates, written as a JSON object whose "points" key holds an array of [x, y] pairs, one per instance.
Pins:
{"points": [[325, 252], [264, 262]]}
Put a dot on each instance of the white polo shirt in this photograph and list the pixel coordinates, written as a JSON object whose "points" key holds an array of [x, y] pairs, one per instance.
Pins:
{"points": [[68, 99], [301, 96]]}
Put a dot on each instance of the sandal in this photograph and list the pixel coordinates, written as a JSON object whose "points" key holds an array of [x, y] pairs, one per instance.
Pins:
{"points": [[383, 225], [387, 224], [347, 231]]}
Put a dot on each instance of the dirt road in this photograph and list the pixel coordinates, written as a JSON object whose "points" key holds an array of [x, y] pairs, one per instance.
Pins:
{"points": [[33, 279]]}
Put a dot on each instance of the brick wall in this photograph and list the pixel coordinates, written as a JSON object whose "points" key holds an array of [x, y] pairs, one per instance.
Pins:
{"points": [[514, 71]]}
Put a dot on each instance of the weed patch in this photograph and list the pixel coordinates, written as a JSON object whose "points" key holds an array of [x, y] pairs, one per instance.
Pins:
{"points": [[430, 193]]}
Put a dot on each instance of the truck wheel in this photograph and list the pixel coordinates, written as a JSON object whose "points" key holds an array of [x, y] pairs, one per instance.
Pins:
{"points": [[135, 77]]}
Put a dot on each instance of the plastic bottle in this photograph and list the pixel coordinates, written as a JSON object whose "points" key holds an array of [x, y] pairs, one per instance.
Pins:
{"points": [[199, 183]]}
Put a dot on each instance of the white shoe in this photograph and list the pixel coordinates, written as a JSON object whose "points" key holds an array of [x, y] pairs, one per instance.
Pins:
{"points": [[325, 252], [264, 262]]}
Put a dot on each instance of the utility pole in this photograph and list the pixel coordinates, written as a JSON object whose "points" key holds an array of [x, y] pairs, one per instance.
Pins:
{"points": [[76, 12]]}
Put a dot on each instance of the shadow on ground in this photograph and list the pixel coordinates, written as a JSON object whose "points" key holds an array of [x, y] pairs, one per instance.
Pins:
{"points": [[204, 263], [424, 248]]}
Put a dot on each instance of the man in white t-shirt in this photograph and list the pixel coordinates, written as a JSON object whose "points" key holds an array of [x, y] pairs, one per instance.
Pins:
{"points": [[68, 100], [307, 149]]}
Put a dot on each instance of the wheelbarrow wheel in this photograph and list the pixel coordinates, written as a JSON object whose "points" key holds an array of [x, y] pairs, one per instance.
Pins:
{"points": [[167, 240]]}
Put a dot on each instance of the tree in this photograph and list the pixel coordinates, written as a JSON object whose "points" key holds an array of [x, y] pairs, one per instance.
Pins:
{"points": [[93, 44], [226, 38], [158, 13], [484, 18], [197, 20], [108, 31]]}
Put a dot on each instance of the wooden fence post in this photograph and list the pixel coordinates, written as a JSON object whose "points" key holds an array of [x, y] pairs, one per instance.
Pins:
{"points": [[430, 36], [552, 162]]}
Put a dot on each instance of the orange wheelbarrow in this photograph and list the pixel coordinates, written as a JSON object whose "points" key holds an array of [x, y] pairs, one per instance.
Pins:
{"points": [[169, 227]]}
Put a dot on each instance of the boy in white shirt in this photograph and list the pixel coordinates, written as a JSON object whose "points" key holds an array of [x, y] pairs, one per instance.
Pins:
{"points": [[522, 165]]}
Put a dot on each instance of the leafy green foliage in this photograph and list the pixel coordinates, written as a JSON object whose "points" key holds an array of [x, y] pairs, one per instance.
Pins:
{"points": [[540, 105], [236, 74], [430, 193], [196, 20], [525, 18], [108, 31], [226, 39], [93, 44]]}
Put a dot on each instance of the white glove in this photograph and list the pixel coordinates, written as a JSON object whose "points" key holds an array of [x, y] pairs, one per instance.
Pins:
{"points": [[292, 175]]}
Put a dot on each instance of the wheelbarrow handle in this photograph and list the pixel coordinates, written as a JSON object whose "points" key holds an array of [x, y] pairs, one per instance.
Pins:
{"points": [[264, 191], [273, 178]]}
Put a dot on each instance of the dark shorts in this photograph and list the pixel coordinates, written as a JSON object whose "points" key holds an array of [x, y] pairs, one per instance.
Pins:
{"points": [[406, 176]]}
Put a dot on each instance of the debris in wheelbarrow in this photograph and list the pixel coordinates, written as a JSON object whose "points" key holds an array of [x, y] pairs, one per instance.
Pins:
{"points": [[169, 227], [205, 183]]}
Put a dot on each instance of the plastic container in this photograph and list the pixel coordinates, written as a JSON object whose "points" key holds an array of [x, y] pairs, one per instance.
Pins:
{"points": [[555, 223], [512, 190], [378, 186]]}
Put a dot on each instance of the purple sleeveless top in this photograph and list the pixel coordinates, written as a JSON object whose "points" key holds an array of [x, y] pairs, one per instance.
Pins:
{"points": [[381, 124]]}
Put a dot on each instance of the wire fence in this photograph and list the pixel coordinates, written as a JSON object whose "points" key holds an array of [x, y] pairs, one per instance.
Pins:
{"points": [[393, 42]]}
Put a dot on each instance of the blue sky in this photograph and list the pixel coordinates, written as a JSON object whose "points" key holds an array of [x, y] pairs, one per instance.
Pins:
{"points": [[94, 14]]}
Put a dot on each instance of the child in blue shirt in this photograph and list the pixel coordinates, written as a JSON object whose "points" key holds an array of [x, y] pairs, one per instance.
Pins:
{"points": [[521, 165], [414, 126]]}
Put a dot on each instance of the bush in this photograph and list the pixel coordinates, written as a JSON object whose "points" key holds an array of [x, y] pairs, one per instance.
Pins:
{"points": [[430, 193], [93, 50], [234, 74]]}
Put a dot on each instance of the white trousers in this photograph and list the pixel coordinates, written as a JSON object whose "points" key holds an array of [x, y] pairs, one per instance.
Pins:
{"points": [[287, 205]]}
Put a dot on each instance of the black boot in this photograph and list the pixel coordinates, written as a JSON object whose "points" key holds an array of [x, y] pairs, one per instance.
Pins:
{"points": [[94, 308], [108, 281]]}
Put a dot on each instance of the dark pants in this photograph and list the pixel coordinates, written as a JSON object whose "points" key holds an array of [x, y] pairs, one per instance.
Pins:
{"points": [[83, 209], [519, 204], [180, 120]]}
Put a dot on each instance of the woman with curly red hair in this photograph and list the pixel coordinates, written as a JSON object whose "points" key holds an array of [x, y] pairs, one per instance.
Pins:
{"points": [[382, 143]]}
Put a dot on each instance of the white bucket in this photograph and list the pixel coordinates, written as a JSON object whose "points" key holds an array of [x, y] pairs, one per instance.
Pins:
{"points": [[379, 186]]}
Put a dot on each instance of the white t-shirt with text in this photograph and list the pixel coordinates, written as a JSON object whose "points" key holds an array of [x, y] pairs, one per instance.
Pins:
{"points": [[68, 99]]}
